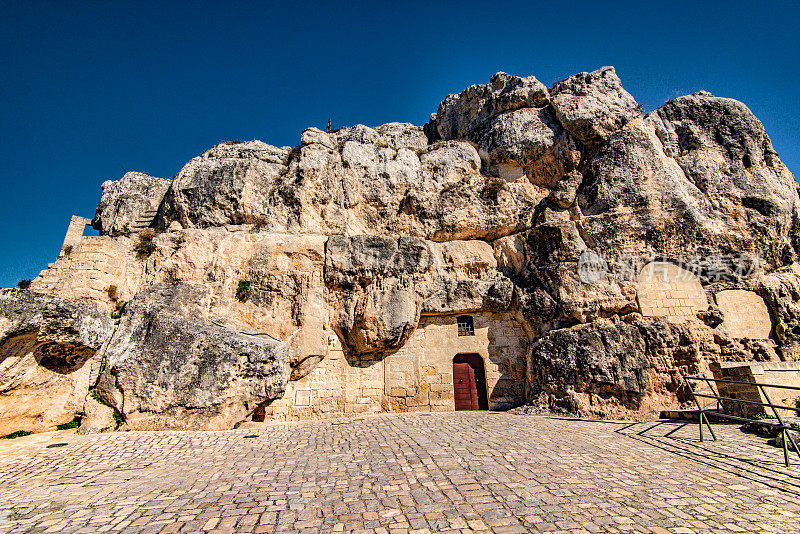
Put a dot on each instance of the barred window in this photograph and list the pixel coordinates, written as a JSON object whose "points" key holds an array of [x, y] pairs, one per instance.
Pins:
{"points": [[465, 325]]}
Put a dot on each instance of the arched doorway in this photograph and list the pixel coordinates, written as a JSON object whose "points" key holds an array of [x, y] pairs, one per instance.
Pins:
{"points": [[469, 382]]}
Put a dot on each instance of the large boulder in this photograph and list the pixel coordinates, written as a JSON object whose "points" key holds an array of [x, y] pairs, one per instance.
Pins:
{"points": [[593, 105], [48, 358], [167, 366], [125, 201], [727, 156], [357, 180], [513, 127], [380, 285], [460, 115], [601, 358], [232, 183]]}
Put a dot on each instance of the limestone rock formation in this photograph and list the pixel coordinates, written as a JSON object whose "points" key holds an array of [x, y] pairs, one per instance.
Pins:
{"points": [[97, 417], [125, 201], [576, 248], [382, 285], [598, 359], [48, 358], [167, 368], [593, 105]]}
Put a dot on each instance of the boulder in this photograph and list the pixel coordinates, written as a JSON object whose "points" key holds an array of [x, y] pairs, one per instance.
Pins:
{"points": [[125, 201], [460, 115], [232, 183], [513, 127], [593, 105], [726, 155], [97, 417], [167, 366], [600, 358], [48, 358], [381, 285]]}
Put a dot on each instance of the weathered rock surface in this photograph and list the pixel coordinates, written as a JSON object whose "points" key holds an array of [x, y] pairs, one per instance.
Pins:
{"points": [[358, 180], [725, 153], [593, 105], [97, 417], [513, 200], [48, 349], [517, 134], [167, 367], [125, 200], [599, 360], [230, 184], [381, 286]]}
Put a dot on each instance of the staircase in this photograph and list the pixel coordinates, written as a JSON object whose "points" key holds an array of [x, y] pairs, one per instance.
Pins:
{"points": [[144, 221]]}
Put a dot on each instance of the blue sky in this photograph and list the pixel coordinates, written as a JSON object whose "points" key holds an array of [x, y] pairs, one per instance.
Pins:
{"points": [[91, 89]]}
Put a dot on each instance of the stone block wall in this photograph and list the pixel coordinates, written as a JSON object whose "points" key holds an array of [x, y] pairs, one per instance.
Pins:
{"points": [[77, 225], [746, 314], [666, 290], [93, 264], [777, 373], [418, 377]]}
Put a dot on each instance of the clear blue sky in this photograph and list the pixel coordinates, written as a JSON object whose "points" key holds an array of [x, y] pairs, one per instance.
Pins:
{"points": [[90, 89]]}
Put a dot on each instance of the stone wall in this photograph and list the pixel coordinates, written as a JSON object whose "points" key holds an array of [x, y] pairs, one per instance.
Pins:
{"points": [[666, 290], [418, 377], [746, 314], [93, 265], [777, 373], [77, 225]]}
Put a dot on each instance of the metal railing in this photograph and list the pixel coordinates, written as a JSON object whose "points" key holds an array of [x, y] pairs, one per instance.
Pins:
{"points": [[709, 393]]}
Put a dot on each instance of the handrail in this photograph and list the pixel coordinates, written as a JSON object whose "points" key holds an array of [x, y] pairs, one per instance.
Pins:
{"points": [[743, 401], [727, 381], [780, 425]]}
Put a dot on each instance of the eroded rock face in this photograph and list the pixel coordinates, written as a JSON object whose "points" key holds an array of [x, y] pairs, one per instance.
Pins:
{"points": [[593, 105], [125, 200], [515, 130], [725, 153], [48, 354], [598, 359], [542, 204], [382, 285], [230, 184], [168, 366]]}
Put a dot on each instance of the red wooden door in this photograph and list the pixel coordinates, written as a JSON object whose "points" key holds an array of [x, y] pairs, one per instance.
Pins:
{"points": [[465, 389]]}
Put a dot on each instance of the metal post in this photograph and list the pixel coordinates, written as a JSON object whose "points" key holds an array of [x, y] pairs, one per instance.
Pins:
{"points": [[711, 388], [784, 434], [702, 414]]}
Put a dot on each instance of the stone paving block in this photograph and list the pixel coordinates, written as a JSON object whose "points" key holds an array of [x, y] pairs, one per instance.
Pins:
{"points": [[445, 472]]}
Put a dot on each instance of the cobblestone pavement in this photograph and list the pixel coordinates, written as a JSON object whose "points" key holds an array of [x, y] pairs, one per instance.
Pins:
{"points": [[393, 473]]}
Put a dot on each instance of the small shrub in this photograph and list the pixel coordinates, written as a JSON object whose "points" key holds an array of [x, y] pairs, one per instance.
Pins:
{"points": [[119, 309], [761, 415], [75, 423], [24, 284], [243, 291], [18, 434], [113, 292], [67, 250], [345, 164], [125, 231], [144, 244]]}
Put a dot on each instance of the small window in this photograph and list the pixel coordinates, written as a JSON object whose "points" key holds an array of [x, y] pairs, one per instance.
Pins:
{"points": [[465, 326]]}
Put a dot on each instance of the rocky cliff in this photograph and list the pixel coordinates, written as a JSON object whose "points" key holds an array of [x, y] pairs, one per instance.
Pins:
{"points": [[607, 234]]}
